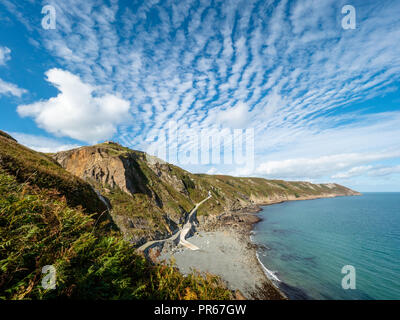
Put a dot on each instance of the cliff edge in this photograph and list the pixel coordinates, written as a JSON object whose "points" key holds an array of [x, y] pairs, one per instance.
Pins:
{"points": [[150, 198]]}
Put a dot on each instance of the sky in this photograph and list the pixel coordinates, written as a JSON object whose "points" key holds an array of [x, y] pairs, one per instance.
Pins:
{"points": [[295, 94]]}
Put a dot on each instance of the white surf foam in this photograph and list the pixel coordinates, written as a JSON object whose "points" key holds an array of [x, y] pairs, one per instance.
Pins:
{"points": [[270, 274]]}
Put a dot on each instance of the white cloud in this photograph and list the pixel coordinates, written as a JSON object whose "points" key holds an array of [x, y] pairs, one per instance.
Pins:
{"points": [[322, 166], [235, 117], [353, 172], [384, 171], [5, 55], [77, 111], [42, 144], [212, 170], [371, 171], [292, 67], [286, 68], [9, 88]]}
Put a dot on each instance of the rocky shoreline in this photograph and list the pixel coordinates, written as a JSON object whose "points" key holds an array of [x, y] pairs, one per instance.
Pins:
{"points": [[241, 224], [227, 251], [225, 240]]}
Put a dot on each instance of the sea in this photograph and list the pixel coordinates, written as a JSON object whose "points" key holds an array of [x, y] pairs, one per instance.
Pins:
{"points": [[335, 248]]}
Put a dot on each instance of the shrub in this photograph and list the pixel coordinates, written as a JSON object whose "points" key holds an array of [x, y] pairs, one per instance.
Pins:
{"points": [[38, 228]]}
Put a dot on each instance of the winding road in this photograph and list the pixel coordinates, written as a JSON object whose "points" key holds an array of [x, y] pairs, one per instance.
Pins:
{"points": [[180, 233]]}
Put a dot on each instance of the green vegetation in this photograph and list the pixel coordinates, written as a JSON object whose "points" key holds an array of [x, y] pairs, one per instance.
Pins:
{"points": [[115, 149], [50, 217], [156, 201], [164, 193], [6, 135], [39, 226], [39, 169]]}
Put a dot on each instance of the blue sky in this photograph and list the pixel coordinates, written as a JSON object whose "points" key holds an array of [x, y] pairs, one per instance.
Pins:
{"points": [[323, 101]]}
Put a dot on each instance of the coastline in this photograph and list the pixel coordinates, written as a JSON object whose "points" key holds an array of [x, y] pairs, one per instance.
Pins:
{"points": [[229, 255], [227, 250], [241, 224]]}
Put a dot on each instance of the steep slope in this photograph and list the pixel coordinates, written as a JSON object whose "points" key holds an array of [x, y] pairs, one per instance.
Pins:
{"points": [[150, 198], [145, 202], [50, 217], [41, 170]]}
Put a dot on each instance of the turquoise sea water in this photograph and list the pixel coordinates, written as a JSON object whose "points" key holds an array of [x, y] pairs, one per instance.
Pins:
{"points": [[308, 242]]}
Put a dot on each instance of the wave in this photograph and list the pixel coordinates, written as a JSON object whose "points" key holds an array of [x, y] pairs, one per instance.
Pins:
{"points": [[270, 274]]}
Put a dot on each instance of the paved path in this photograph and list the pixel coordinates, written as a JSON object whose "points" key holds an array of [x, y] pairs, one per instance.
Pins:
{"points": [[180, 233]]}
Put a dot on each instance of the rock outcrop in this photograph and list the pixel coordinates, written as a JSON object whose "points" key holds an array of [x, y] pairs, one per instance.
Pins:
{"points": [[150, 198]]}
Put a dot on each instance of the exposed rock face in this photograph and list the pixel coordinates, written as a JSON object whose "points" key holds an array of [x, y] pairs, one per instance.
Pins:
{"points": [[150, 198], [164, 172], [135, 184], [95, 164], [35, 168]]}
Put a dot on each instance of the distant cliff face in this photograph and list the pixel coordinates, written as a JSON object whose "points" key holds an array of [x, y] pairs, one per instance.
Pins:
{"points": [[150, 197]]}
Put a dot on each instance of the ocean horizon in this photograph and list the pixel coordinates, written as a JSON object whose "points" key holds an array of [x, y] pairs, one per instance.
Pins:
{"points": [[305, 244]]}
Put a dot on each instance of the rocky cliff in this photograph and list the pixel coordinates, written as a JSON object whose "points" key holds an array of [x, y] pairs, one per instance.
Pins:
{"points": [[48, 216], [31, 167], [150, 198]]}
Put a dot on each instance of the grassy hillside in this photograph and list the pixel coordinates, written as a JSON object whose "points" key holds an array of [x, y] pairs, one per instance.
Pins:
{"points": [[39, 169], [150, 197], [50, 217]]}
